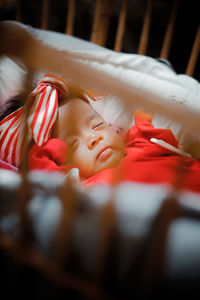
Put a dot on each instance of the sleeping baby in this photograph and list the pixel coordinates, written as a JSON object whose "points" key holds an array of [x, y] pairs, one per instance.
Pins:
{"points": [[65, 132]]}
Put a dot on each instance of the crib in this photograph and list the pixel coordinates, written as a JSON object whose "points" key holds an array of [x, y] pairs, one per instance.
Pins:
{"points": [[58, 240]]}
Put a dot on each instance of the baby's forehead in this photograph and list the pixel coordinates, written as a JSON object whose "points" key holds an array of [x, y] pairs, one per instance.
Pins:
{"points": [[75, 113], [76, 105], [79, 109]]}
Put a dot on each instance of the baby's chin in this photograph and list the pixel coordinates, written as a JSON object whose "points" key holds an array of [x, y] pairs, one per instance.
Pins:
{"points": [[111, 162], [114, 160]]}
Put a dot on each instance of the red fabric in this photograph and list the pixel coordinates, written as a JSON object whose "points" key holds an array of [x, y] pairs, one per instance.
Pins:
{"points": [[49, 157], [147, 162]]}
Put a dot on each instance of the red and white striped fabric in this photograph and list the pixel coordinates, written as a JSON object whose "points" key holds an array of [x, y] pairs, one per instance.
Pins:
{"points": [[40, 119]]}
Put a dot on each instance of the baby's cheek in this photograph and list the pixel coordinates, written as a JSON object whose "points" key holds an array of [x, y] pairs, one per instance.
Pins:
{"points": [[86, 170], [72, 159], [87, 166], [80, 160], [117, 129]]}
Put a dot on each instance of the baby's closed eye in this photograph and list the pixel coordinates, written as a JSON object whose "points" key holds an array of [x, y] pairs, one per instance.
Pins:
{"points": [[98, 125]]}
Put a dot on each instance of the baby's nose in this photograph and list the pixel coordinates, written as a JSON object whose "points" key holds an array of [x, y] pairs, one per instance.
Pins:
{"points": [[94, 139]]}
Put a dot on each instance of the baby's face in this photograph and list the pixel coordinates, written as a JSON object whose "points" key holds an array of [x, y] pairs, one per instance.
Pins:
{"points": [[93, 145]]}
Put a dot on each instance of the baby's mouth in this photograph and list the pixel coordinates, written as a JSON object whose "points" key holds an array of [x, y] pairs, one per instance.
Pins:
{"points": [[104, 153]]}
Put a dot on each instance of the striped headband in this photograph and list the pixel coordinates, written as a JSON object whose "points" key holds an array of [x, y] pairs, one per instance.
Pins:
{"points": [[40, 118]]}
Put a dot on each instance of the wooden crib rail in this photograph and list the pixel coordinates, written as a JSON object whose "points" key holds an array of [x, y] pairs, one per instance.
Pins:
{"points": [[101, 21], [194, 54], [169, 32], [121, 26], [146, 27], [45, 10], [70, 17], [103, 12], [144, 282]]}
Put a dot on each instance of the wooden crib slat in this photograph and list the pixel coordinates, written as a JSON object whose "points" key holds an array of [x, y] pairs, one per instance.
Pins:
{"points": [[4, 2], [45, 10], [153, 265], [18, 10], [169, 32], [70, 18], [107, 227], [34, 259], [121, 27], [194, 54], [146, 28], [101, 21], [60, 245], [24, 231]]}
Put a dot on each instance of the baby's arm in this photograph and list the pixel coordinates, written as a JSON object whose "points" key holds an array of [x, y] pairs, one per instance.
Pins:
{"points": [[20, 45]]}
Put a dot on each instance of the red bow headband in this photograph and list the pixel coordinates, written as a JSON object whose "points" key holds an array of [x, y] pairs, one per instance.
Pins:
{"points": [[40, 119]]}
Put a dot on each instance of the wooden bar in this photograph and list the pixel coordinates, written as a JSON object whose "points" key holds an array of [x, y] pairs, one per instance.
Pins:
{"points": [[194, 54], [33, 258], [4, 2], [45, 10], [61, 240], [106, 230], [103, 12], [121, 27], [170, 30], [70, 18], [153, 264], [18, 10], [146, 28]]}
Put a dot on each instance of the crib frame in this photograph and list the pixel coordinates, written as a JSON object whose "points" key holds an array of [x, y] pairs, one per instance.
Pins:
{"points": [[101, 22], [21, 250]]}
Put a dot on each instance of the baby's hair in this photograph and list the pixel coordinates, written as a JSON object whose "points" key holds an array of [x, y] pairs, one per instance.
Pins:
{"points": [[74, 93], [19, 100], [11, 105]]}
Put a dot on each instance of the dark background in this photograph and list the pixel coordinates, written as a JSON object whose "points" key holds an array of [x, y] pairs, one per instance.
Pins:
{"points": [[185, 30]]}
